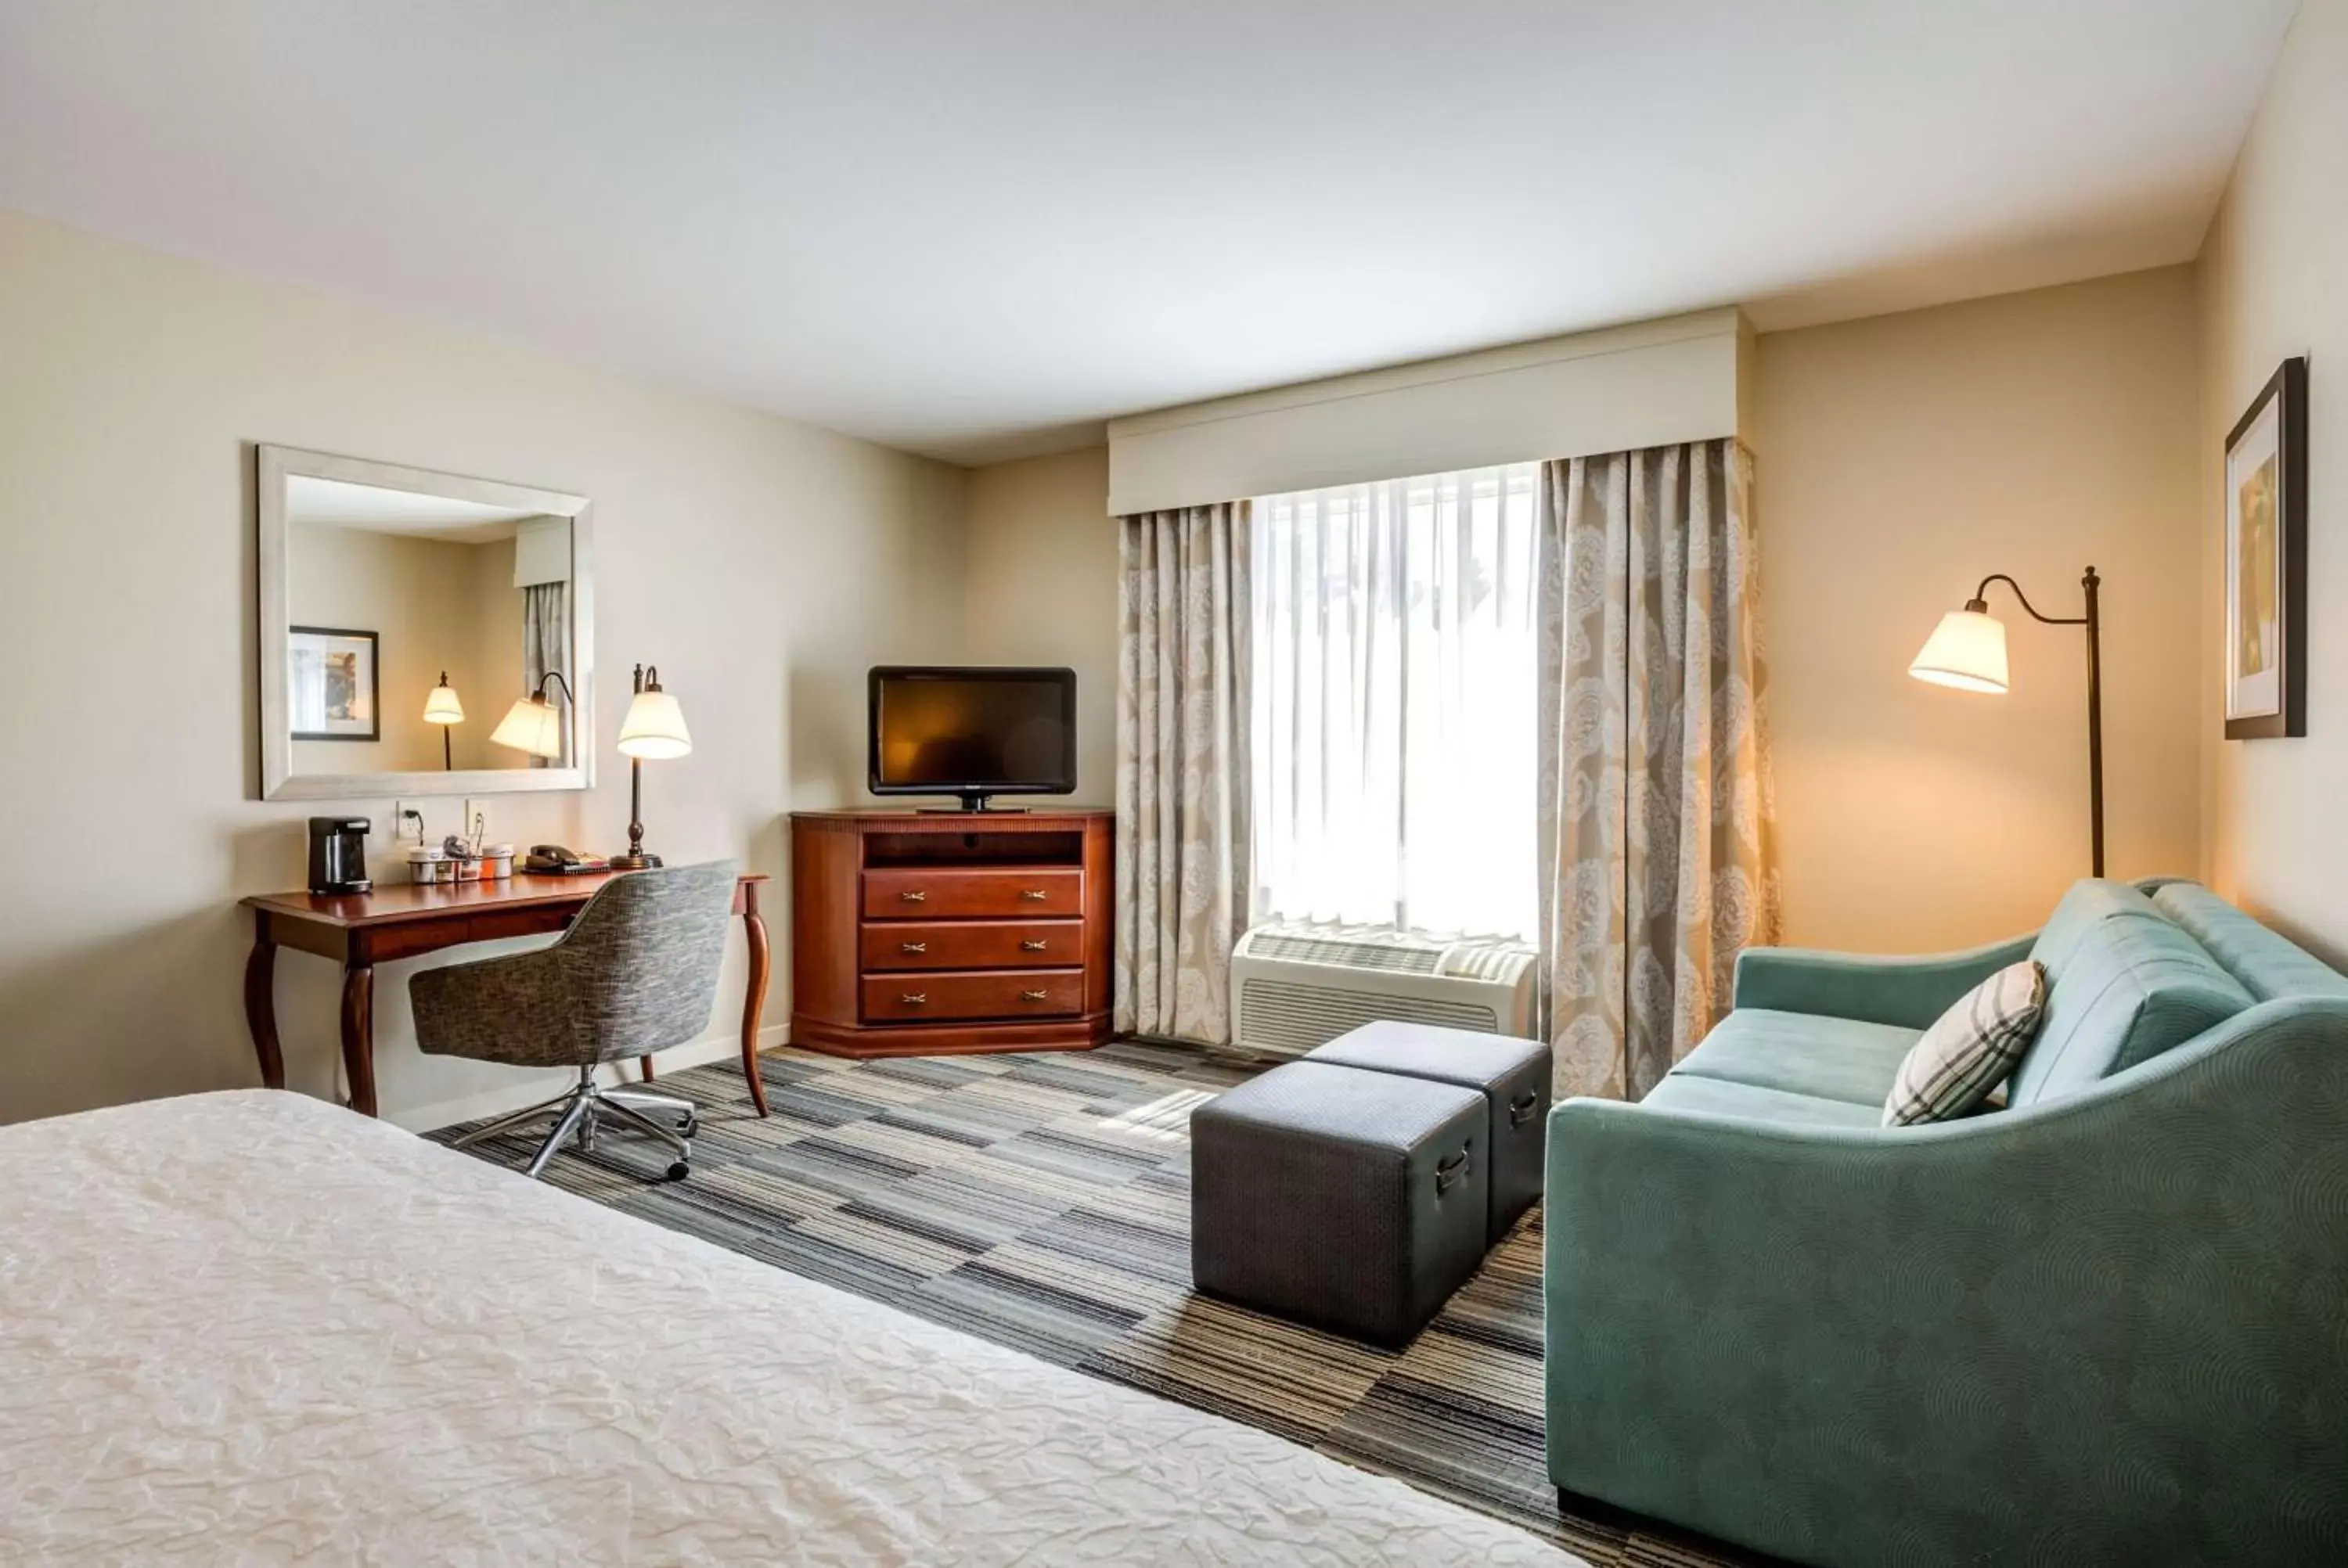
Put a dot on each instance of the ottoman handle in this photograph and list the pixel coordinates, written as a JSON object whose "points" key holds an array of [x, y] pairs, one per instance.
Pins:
{"points": [[1449, 1171], [1520, 1109]]}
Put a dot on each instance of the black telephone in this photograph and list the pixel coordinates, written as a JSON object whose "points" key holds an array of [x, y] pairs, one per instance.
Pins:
{"points": [[552, 859]]}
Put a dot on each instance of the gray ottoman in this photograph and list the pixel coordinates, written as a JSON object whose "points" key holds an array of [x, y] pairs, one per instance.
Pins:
{"points": [[1349, 1201], [1511, 1074]]}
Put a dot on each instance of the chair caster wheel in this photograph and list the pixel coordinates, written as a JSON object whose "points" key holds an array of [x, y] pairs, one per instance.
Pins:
{"points": [[691, 1127], [679, 1171]]}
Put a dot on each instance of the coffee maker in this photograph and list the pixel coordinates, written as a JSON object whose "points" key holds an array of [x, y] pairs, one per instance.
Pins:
{"points": [[338, 855]]}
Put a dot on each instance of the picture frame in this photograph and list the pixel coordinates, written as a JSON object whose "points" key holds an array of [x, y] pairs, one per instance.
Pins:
{"points": [[333, 683], [2265, 651]]}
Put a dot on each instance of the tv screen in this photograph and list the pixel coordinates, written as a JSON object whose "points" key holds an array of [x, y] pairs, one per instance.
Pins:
{"points": [[972, 731]]}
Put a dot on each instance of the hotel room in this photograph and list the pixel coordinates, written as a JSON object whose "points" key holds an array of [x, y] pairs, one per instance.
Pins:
{"points": [[1053, 783]]}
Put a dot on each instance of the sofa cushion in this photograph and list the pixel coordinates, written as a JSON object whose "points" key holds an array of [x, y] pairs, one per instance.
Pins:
{"points": [[1802, 1053], [1720, 1097], [2268, 964], [2125, 985]]}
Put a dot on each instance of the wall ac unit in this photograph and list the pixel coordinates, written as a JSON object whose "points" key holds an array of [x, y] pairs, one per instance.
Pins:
{"points": [[1299, 986]]}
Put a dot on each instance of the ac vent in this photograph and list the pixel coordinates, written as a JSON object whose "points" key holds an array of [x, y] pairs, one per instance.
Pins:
{"points": [[1283, 1016]]}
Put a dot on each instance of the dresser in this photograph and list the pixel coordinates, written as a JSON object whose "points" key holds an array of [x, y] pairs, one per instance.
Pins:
{"points": [[934, 934]]}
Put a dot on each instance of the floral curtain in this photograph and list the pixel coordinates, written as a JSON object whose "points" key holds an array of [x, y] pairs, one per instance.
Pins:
{"points": [[1181, 768], [1653, 779]]}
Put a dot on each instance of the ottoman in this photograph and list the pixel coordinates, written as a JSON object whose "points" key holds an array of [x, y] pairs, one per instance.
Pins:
{"points": [[1353, 1202], [1511, 1074]]}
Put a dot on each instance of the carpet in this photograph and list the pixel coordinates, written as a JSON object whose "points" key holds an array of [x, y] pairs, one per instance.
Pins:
{"points": [[1042, 1202]]}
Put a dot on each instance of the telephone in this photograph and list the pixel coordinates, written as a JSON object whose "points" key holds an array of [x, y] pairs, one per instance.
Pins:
{"points": [[552, 859]]}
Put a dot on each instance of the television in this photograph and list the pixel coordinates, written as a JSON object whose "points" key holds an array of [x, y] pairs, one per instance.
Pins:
{"points": [[972, 731]]}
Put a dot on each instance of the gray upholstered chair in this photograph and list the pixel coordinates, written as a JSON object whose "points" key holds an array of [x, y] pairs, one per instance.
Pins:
{"points": [[636, 973]]}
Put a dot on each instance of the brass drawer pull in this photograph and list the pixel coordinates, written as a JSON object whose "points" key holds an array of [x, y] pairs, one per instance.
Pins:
{"points": [[1031, 946], [914, 998], [1034, 893], [914, 896], [1033, 995], [912, 946]]}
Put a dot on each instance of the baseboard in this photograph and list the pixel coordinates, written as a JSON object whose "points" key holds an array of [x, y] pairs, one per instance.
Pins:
{"points": [[540, 1086]]}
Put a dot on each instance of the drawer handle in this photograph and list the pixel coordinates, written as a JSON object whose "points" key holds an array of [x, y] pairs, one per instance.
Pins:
{"points": [[1033, 995], [914, 896], [912, 946], [1034, 893], [1520, 1109], [1031, 946], [1449, 1171], [914, 998]]}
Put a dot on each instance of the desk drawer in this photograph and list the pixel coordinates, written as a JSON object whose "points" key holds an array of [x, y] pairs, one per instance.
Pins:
{"points": [[952, 892], [973, 945], [974, 994]]}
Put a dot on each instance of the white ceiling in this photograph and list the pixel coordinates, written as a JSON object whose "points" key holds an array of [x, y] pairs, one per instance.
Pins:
{"points": [[976, 230], [337, 504]]}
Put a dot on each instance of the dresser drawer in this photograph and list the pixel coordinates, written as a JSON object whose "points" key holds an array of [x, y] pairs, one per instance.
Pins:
{"points": [[973, 945], [966, 994], [948, 892]]}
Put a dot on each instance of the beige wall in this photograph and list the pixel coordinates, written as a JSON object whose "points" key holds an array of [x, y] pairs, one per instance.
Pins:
{"points": [[1898, 461], [1043, 590], [2274, 283], [762, 564]]}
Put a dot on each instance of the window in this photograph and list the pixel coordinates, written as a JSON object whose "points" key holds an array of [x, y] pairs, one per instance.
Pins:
{"points": [[1394, 719]]}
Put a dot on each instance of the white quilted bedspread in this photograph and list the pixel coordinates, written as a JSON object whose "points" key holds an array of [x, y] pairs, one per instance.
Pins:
{"points": [[253, 1327]]}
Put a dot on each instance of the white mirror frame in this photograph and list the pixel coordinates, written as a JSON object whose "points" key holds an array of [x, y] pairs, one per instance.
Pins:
{"points": [[273, 466]]}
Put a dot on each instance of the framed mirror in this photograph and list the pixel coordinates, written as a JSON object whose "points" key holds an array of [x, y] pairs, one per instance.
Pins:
{"points": [[421, 633]]}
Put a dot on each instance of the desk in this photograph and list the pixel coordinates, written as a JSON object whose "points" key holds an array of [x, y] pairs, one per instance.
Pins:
{"points": [[360, 930]]}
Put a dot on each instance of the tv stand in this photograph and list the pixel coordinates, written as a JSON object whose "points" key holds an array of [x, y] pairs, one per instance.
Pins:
{"points": [[940, 932], [972, 806]]}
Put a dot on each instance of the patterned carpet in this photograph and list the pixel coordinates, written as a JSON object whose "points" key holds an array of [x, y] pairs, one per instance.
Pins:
{"points": [[1042, 1202]]}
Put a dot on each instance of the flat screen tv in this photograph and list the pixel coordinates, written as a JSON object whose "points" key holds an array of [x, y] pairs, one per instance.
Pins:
{"points": [[972, 731]]}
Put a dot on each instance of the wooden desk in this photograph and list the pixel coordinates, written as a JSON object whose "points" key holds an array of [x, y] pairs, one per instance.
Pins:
{"points": [[360, 930]]}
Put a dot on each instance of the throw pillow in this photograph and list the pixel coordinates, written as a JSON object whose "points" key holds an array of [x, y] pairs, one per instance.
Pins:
{"points": [[1971, 1050]]}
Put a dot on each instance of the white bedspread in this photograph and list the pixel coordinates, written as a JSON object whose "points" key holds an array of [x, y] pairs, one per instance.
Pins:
{"points": [[253, 1327]]}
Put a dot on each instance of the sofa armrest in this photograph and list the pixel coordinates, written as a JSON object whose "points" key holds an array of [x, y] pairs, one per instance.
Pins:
{"points": [[1904, 992], [2119, 1311]]}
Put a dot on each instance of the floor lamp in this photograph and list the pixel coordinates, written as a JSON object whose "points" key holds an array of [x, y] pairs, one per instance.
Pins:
{"points": [[1967, 651]]}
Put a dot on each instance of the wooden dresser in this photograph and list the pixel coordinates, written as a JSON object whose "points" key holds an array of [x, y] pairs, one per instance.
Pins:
{"points": [[937, 933]]}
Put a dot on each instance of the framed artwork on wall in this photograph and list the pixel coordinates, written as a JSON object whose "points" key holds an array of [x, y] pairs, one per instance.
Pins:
{"points": [[331, 684], [2266, 562]]}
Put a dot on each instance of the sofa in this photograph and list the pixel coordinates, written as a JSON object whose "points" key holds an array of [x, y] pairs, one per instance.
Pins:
{"points": [[2105, 1324]]}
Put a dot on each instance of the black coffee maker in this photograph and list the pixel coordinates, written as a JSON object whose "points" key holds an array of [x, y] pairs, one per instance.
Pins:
{"points": [[338, 855]]}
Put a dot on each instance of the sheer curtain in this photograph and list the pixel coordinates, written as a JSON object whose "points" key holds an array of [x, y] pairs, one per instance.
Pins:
{"points": [[1395, 743]]}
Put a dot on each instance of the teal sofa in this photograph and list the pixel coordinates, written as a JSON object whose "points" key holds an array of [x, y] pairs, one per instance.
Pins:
{"points": [[2106, 1325]]}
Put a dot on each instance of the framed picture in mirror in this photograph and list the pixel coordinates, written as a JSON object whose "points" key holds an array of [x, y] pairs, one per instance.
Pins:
{"points": [[334, 687]]}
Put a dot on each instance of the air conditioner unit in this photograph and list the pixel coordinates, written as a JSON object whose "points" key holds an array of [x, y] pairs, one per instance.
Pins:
{"points": [[1299, 986]]}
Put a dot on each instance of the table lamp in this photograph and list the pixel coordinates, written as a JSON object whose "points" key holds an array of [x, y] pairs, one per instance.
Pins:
{"points": [[1967, 651], [654, 730], [534, 724], [442, 708]]}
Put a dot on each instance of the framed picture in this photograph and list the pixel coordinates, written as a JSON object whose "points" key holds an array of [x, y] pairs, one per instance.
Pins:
{"points": [[332, 686], [2266, 562]]}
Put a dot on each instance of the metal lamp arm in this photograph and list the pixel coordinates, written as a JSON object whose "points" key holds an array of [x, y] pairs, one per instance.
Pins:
{"points": [[1981, 601], [556, 676]]}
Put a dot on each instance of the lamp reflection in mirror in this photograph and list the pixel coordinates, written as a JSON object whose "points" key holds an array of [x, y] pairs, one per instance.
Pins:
{"points": [[653, 730], [1967, 651], [534, 724], [441, 707]]}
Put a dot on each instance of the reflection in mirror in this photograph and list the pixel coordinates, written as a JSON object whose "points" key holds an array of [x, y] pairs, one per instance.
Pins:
{"points": [[407, 619], [415, 622]]}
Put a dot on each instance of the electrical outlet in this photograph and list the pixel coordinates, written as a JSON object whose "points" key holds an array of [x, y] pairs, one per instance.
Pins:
{"points": [[425, 820]]}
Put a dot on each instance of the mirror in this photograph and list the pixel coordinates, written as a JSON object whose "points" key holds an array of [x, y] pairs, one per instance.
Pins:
{"points": [[421, 633]]}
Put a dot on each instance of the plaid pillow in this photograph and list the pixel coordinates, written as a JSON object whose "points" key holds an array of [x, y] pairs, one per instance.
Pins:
{"points": [[1971, 1050]]}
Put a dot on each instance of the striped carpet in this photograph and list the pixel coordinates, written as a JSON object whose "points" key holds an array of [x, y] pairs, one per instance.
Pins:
{"points": [[1042, 1202]]}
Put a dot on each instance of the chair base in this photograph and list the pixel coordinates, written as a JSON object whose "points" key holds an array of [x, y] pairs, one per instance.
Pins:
{"points": [[588, 1108]]}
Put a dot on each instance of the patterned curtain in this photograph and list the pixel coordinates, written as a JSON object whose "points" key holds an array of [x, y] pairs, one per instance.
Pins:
{"points": [[1181, 768], [546, 645], [1654, 792]]}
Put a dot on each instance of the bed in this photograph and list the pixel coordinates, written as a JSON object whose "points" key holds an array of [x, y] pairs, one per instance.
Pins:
{"points": [[254, 1325]]}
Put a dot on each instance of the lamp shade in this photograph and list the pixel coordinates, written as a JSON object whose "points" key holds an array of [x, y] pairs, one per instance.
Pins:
{"points": [[441, 706], [534, 725], [654, 728], [1966, 651]]}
